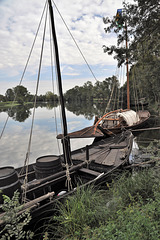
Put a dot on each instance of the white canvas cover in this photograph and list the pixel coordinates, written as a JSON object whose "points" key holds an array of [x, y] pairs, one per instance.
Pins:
{"points": [[130, 116]]}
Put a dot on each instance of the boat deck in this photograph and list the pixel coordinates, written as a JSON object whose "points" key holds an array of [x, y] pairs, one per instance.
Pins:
{"points": [[105, 152]]}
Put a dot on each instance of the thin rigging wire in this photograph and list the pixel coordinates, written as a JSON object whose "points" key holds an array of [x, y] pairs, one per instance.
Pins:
{"points": [[38, 78], [75, 41], [52, 49], [26, 163], [30, 53]]}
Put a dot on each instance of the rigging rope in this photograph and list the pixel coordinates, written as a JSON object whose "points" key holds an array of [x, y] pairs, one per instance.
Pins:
{"points": [[112, 91], [26, 163], [75, 41], [30, 53], [68, 183]]}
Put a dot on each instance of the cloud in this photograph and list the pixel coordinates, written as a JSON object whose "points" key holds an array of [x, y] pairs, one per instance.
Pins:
{"points": [[18, 24]]}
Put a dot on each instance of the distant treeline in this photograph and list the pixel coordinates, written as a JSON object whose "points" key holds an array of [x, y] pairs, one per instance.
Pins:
{"points": [[109, 89], [87, 92], [21, 95]]}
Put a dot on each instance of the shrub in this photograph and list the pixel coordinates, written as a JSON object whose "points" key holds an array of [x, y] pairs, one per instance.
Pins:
{"points": [[133, 223], [14, 222]]}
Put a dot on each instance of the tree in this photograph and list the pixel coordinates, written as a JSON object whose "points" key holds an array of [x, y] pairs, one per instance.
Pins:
{"points": [[9, 95], [50, 97], [21, 94], [141, 29], [2, 98], [142, 21]]}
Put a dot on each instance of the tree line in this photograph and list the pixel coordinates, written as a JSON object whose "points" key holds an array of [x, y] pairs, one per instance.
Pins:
{"points": [[90, 92], [21, 95]]}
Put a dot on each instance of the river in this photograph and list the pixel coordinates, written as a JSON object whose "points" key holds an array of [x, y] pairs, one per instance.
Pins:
{"points": [[47, 124]]}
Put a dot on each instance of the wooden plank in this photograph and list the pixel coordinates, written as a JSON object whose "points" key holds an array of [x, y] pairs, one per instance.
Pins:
{"points": [[108, 159], [88, 171]]}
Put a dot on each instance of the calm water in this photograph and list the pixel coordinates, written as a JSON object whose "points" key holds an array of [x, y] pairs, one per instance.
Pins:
{"points": [[14, 142]]}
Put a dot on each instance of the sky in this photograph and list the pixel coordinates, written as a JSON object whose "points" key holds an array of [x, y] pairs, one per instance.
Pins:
{"points": [[19, 20]]}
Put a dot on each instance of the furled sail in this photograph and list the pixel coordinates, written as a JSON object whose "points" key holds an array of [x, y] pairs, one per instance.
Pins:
{"points": [[130, 117]]}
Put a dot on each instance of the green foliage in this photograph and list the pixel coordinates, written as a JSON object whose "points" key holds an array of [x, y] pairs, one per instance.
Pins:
{"points": [[9, 95], [129, 210], [85, 209], [133, 211], [142, 28], [142, 33], [21, 95], [132, 187], [133, 223], [14, 222], [50, 97], [89, 92]]}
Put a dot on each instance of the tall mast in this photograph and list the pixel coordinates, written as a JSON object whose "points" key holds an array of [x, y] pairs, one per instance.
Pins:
{"points": [[65, 140], [128, 93]]}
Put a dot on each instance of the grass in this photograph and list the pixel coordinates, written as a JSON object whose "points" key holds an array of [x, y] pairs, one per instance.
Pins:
{"points": [[129, 210], [86, 208], [8, 104]]}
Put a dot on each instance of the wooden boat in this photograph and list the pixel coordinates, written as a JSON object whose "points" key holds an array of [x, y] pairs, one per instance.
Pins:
{"points": [[50, 178], [54, 177], [112, 123]]}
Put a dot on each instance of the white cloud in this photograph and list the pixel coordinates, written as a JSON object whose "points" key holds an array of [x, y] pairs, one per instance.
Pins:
{"points": [[18, 25]]}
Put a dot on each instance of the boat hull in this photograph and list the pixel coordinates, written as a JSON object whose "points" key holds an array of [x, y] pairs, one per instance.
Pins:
{"points": [[101, 131]]}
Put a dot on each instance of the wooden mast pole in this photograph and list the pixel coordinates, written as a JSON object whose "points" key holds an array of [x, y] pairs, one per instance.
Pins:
{"points": [[65, 140], [128, 93]]}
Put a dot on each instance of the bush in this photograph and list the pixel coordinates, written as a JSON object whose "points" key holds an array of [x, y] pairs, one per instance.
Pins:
{"points": [[132, 187], [133, 223], [14, 222]]}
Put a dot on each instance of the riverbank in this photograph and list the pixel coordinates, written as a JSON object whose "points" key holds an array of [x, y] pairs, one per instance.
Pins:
{"points": [[8, 104], [129, 210]]}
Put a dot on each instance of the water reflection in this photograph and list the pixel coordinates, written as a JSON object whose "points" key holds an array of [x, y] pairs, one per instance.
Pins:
{"points": [[13, 145], [22, 112], [14, 142], [146, 137], [88, 109]]}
